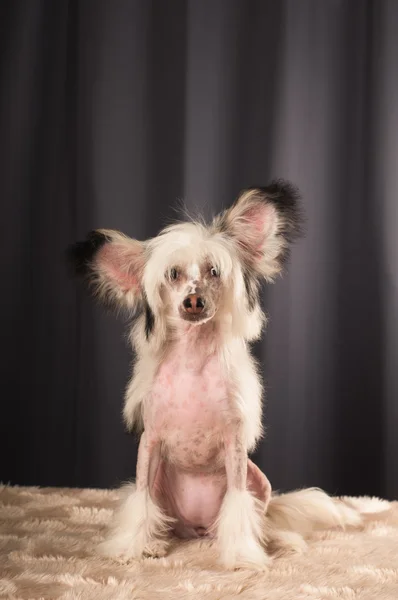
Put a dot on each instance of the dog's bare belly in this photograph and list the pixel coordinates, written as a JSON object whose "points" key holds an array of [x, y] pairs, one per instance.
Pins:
{"points": [[193, 499]]}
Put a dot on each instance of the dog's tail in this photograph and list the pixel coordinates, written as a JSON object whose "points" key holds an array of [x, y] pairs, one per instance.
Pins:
{"points": [[307, 510]]}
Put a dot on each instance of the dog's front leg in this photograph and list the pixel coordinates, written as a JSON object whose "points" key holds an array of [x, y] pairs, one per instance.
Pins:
{"points": [[240, 522], [139, 523]]}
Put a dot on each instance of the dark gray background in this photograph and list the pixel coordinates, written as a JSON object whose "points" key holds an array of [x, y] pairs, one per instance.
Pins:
{"points": [[112, 110]]}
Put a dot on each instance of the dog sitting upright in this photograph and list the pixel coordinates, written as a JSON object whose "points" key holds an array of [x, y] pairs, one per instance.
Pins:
{"points": [[195, 392]]}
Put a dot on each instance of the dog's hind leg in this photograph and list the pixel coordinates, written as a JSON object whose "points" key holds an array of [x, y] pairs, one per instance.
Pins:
{"points": [[258, 484], [139, 523]]}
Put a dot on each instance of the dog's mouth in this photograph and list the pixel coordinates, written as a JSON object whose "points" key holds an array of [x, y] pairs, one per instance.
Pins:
{"points": [[198, 319]]}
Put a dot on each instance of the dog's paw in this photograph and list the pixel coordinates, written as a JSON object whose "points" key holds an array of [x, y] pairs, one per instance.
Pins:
{"points": [[282, 543], [121, 548], [156, 548], [248, 555]]}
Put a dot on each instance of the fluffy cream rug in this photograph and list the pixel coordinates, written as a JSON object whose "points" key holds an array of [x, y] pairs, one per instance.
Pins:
{"points": [[47, 537]]}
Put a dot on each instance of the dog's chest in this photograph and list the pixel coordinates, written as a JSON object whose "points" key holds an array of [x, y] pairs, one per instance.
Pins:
{"points": [[189, 410], [189, 390], [189, 401]]}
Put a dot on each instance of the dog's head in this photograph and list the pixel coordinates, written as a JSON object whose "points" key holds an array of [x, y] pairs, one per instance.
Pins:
{"points": [[191, 273]]}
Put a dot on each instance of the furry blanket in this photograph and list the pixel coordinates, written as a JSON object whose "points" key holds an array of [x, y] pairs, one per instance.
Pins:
{"points": [[47, 537]]}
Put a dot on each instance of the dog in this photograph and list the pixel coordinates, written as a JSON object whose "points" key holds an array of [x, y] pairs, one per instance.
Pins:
{"points": [[195, 394]]}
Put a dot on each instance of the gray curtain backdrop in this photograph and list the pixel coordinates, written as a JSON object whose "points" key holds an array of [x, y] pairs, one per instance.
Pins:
{"points": [[111, 111]]}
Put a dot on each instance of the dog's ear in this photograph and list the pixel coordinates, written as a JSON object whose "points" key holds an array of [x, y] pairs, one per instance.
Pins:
{"points": [[112, 265], [263, 222]]}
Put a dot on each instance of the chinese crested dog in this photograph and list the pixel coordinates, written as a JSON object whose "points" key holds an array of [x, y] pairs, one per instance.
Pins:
{"points": [[195, 393]]}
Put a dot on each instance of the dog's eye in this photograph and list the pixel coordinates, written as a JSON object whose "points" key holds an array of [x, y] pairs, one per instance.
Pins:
{"points": [[213, 272], [173, 274]]}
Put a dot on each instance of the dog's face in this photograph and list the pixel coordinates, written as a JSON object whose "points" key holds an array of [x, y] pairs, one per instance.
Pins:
{"points": [[192, 291], [192, 273], [188, 273]]}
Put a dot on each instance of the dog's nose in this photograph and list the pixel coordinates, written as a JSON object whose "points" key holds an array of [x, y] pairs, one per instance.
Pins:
{"points": [[194, 304]]}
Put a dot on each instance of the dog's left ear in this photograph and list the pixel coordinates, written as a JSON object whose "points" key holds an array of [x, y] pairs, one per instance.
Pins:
{"points": [[263, 222]]}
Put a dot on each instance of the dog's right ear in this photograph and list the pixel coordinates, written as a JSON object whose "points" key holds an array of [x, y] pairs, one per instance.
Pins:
{"points": [[112, 265]]}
